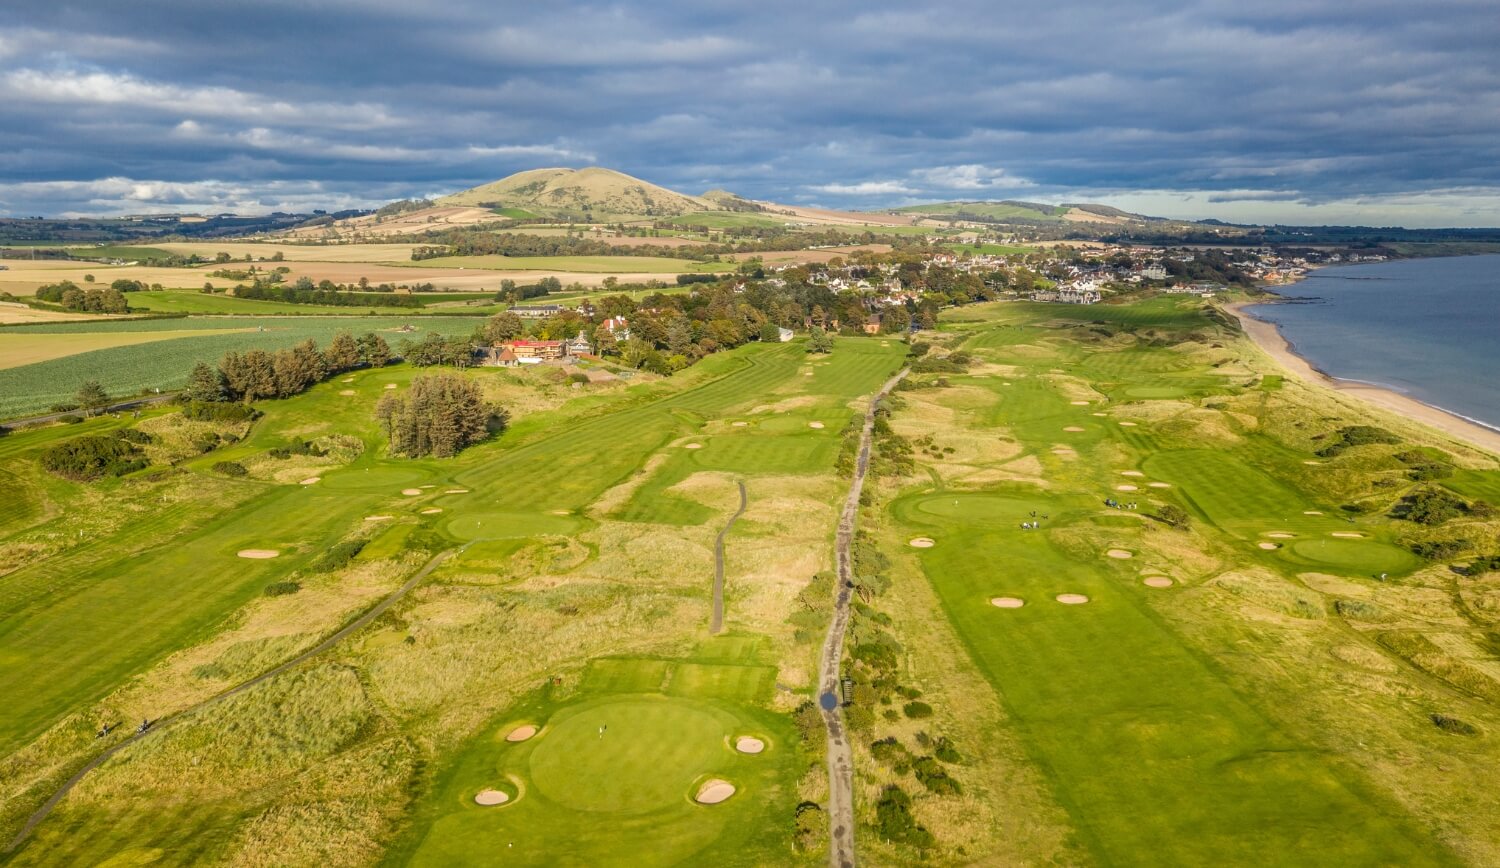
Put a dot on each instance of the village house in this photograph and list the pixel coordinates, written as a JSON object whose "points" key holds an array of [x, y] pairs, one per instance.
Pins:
{"points": [[784, 334], [617, 328], [536, 311], [579, 345]]}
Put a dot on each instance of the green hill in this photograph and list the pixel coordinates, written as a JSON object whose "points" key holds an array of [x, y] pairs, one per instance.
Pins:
{"points": [[1021, 212], [591, 193]]}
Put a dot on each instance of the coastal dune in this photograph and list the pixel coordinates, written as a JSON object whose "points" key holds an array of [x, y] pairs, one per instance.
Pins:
{"points": [[1270, 339]]}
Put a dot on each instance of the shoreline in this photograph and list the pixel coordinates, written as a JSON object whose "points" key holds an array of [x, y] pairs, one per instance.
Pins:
{"points": [[1272, 342]]}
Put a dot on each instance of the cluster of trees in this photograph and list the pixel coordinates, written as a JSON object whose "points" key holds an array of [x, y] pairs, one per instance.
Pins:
{"points": [[304, 291], [438, 415], [435, 349], [92, 300], [261, 374]]}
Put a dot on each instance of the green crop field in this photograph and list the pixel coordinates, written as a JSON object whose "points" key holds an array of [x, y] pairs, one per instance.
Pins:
{"points": [[164, 362], [729, 220], [191, 302], [991, 249]]}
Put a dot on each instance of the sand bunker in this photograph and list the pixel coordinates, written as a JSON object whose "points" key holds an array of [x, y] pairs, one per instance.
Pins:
{"points": [[1276, 534], [693, 446], [411, 492], [1128, 424], [390, 385], [1007, 602], [1007, 384], [1102, 415], [457, 491], [1126, 488], [922, 542], [377, 518], [740, 424], [1080, 403], [521, 733], [433, 510], [1072, 599], [312, 480], [1348, 534], [346, 392], [1314, 463], [1269, 546], [713, 792], [1131, 473], [347, 380], [749, 744], [1159, 484], [1157, 582], [491, 797], [1073, 429], [1119, 554], [258, 554], [1311, 512], [815, 424]]}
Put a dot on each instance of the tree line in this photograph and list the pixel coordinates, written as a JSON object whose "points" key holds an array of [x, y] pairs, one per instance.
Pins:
{"points": [[259, 374]]}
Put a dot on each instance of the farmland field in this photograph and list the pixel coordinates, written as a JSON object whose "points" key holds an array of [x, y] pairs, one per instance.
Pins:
{"points": [[583, 264], [142, 355]]}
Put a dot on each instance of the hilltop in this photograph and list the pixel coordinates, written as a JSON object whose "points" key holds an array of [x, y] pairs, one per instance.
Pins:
{"points": [[593, 192], [1019, 212]]}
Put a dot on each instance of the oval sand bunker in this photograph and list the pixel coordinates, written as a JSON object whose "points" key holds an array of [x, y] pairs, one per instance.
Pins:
{"points": [[432, 510], [922, 542], [1080, 403], [1007, 602], [1269, 546], [1074, 429], [749, 744], [411, 492], [258, 554], [1159, 484], [815, 424], [312, 480], [1131, 473], [1157, 582], [1277, 534], [1072, 599], [491, 797], [1126, 488], [740, 424], [347, 393], [521, 733], [713, 792], [1119, 554], [693, 446], [390, 385]]}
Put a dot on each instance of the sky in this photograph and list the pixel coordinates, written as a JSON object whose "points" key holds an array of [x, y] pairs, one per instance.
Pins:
{"points": [[1364, 112]]}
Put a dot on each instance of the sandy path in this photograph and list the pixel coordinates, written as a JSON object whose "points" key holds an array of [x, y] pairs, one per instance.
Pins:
{"points": [[1269, 338], [840, 758], [716, 621]]}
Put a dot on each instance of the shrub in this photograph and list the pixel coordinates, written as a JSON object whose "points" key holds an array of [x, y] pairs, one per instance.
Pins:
{"points": [[917, 710], [92, 456], [339, 556], [64, 407], [230, 468], [810, 824], [1484, 564], [70, 419], [1174, 515], [894, 822], [944, 750], [1439, 549], [1357, 435], [934, 777], [1430, 506], [213, 411], [1448, 723], [131, 435], [281, 589], [891, 752]]}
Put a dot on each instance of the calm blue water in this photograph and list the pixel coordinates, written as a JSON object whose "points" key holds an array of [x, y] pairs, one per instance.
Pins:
{"points": [[1427, 327]]}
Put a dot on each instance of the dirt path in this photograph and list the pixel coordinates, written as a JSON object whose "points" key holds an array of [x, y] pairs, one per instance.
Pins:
{"points": [[840, 760], [167, 721], [716, 623]]}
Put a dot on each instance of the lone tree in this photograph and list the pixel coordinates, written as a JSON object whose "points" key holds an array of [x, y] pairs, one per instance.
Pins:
{"points": [[206, 383], [820, 341], [503, 326], [92, 398], [438, 416]]}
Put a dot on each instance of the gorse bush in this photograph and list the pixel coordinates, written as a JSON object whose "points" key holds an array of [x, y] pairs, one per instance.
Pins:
{"points": [[339, 556], [93, 456], [230, 468], [1357, 435]]}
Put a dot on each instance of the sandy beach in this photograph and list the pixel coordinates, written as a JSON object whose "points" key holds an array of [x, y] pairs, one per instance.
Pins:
{"points": [[1269, 338]]}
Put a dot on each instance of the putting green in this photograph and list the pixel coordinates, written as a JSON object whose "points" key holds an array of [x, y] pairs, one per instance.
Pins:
{"points": [[649, 755], [973, 509], [1155, 392], [1356, 555], [374, 478]]}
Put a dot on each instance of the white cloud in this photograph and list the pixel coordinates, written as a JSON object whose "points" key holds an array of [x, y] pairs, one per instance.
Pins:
{"points": [[969, 177], [111, 89], [865, 188]]}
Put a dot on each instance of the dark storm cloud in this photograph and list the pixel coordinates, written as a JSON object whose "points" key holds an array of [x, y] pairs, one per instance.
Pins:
{"points": [[1319, 109]]}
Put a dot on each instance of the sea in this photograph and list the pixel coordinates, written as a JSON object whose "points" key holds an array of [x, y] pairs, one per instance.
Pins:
{"points": [[1428, 328]]}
